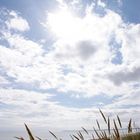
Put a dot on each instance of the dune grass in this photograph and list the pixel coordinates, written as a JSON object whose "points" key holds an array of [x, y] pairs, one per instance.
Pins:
{"points": [[100, 133]]}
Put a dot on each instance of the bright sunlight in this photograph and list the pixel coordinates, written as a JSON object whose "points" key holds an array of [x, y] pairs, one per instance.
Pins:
{"points": [[64, 25]]}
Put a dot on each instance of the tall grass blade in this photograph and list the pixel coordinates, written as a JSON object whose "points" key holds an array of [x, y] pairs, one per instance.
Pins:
{"points": [[116, 130], [98, 135], [93, 137], [80, 135], [103, 116], [76, 137], [38, 138], [113, 136], [20, 138], [53, 135], [29, 132], [98, 125], [103, 135], [119, 121], [71, 137], [85, 130], [130, 126], [108, 124], [115, 133]]}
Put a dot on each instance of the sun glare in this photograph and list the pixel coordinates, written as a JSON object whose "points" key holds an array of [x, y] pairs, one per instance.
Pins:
{"points": [[64, 24]]}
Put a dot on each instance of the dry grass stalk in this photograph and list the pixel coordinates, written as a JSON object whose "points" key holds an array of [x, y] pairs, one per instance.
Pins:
{"points": [[38, 138], [71, 137], [29, 132], [93, 137], [130, 126], [76, 137], [115, 133], [53, 135], [98, 125], [20, 138], [102, 135], [118, 118], [80, 135], [108, 124], [85, 130], [116, 130], [103, 116], [98, 135]]}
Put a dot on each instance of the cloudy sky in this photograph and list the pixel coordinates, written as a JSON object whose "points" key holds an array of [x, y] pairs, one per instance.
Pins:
{"points": [[62, 60]]}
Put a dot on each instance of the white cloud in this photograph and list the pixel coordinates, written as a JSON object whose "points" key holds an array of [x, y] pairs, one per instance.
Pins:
{"points": [[80, 59], [78, 63], [16, 22], [96, 31], [20, 97], [35, 108], [70, 66], [125, 76], [129, 37], [76, 34], [23, 104], [102, 4], [23, 45], [127, 106], [21, 55], [92, 26], [3, 80]]}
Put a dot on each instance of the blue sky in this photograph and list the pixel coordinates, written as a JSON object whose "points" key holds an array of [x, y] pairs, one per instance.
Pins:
{"points": [[62, 60]]}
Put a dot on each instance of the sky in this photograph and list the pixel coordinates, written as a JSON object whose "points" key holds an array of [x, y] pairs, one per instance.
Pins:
{"points": [[62, 60]]}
